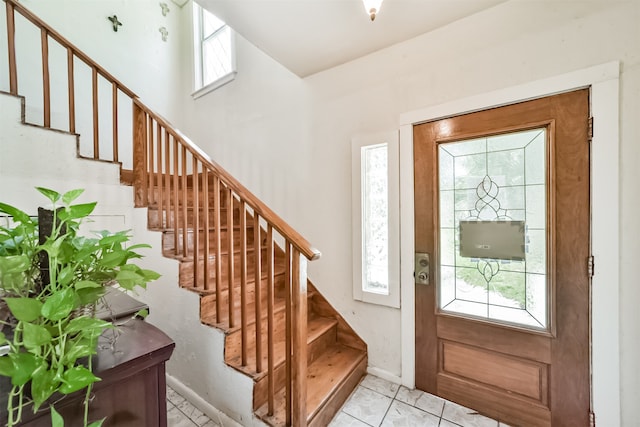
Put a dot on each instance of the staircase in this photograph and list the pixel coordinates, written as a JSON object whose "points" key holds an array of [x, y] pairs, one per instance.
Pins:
{"points": [[246, 264], [336, 357]]}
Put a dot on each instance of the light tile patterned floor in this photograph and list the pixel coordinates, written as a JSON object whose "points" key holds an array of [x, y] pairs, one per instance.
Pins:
{"points": [[379, 403], [181, 413], [374, 403]]}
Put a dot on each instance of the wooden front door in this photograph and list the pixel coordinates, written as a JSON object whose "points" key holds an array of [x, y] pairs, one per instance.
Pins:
{"points": [[502, 210]]}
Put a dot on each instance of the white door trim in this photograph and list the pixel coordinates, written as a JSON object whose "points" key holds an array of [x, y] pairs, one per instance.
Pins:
{"points": [[605, 223]]}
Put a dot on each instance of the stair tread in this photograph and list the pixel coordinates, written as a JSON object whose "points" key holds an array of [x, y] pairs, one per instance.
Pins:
{"points": [[278, 306], [186, 278], [324, 376], [316, 326]]}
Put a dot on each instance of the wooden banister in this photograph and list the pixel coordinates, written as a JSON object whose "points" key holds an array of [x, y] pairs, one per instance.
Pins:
{"points": [[189, 192], [240, 190], [14, 4]]}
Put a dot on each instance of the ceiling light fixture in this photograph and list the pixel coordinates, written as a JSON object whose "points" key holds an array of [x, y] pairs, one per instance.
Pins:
{"points": [[372, 7]]}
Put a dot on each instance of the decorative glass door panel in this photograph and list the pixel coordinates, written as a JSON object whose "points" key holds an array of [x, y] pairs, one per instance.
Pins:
{"points": [[493, 228]]}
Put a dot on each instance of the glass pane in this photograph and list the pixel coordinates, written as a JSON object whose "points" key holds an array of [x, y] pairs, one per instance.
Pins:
{"points": [[446, 170], [375, 219], [210, 23], [500, 178], [216, 56]]}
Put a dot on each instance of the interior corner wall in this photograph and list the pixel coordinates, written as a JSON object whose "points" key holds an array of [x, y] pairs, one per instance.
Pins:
{"points": [[288, 139]]}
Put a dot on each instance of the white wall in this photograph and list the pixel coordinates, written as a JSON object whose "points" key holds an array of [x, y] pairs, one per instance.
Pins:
{"points": [[289, 139], [135, 55]]}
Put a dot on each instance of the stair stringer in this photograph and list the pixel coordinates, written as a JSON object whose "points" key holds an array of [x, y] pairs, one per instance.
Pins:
{"points": [[198, 359]]}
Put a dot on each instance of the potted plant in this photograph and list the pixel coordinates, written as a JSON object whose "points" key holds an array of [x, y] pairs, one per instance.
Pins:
{"points": [[49, 287]]}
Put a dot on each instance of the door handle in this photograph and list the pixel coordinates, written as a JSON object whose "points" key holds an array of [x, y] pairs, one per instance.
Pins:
{"points": [[422, 268]]}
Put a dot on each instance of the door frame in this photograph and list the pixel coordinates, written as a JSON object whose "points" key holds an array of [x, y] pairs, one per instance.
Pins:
{"points": [[605, 224]]}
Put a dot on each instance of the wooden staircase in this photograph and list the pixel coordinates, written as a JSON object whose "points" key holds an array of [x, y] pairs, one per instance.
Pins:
{"points": [[336, 356], [245, 262]]}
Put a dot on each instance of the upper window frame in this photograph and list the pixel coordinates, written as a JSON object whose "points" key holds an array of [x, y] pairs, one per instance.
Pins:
{"points": [[200, 89]]}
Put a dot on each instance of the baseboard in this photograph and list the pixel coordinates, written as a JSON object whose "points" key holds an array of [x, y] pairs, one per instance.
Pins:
{"points": [[209, 410], [385, 375]]}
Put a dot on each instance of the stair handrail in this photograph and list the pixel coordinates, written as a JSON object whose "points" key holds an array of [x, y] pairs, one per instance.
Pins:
{"points": [[254, 202], [288, 232], [60, 39]]}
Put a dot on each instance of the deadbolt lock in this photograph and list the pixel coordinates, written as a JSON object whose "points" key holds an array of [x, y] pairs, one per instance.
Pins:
{"points": [[422, 268]]}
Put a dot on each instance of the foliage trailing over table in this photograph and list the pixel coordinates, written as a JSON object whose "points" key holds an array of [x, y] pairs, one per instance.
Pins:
{"points": [[54, 334]]}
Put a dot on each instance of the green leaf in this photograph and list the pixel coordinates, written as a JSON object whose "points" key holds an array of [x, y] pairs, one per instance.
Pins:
{"points": [[35, 336], [81, 349], [89, 295], [113, 238], [85, 284], [6, 366], [43, 385], [77, 378], [113, 259], [150, 275], [142, 313], [71, 195], [86, 323], [59, 305], [139, 246], [77, 211], [24, 309], [14, 264], [3, 339], [17, 214], [56, 418], [129, 279], [53, 246], [52, 195], [66, 275], [24, 364], [97, 423]]}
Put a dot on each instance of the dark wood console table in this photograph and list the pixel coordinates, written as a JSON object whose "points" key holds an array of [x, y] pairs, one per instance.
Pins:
{"points": [[131, 363]]}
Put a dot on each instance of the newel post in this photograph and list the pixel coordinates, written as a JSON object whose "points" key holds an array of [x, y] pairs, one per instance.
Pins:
{"points": [[299, 339], [139, 155]]}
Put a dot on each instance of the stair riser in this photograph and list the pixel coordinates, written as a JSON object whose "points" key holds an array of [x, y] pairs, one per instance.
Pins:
{"points": [[334, 402], [233, 341], [208, 302], [154, 217], [186, 275], [314, 350], [168, 241]]}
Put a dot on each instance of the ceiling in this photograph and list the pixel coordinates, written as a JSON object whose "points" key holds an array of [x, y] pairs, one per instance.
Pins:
{"points": [[309, 36]]}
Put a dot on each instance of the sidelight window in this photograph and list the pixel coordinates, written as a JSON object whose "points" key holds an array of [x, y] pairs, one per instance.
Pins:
{"points": [[375, 220]]}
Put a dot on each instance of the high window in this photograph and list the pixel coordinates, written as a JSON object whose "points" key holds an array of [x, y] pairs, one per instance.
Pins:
{"points": [[375, 207], [214, 51]]}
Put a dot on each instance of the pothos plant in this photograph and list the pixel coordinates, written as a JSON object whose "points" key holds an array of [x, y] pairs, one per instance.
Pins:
{"points": [[52, 335]]}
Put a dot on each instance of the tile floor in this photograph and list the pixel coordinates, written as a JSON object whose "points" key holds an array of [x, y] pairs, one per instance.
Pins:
{"points": [[379, 403], [181, 413], [374, 403]]}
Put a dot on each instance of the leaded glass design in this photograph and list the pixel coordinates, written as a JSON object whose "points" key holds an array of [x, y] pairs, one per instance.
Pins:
{"points": [[498, 178]]}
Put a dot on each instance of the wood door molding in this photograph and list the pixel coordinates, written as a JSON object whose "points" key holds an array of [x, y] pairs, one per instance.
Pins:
{"points": [[560, 359]]}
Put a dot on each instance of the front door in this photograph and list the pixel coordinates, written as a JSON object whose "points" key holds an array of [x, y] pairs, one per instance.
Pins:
{"points": [[502, 210]]}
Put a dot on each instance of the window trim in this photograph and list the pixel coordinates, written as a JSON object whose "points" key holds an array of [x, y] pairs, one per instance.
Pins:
{"points": [[198, 39], [392, 299]]}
